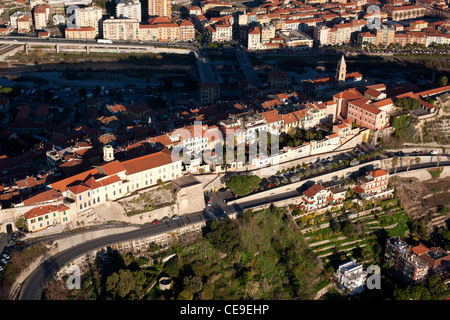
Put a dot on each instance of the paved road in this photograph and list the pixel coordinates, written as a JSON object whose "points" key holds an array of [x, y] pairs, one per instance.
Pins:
{"points": [[204, 68], [32, 288], [246, 66]]}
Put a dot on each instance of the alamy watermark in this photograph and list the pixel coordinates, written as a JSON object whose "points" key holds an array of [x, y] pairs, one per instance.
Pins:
{"points": [[74, 279], [374, 280], [374, 20], [212, 147]]}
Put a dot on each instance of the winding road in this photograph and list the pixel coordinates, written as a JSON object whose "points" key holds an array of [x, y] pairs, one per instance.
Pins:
{"points": [[32, 289]]}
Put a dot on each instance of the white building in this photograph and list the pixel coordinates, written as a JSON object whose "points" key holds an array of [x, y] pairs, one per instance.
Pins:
{"points": [[115, 179], [129, 9], [88, 17], [351, 276]]}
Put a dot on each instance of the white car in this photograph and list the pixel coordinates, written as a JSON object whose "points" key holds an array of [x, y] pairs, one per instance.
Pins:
{"points": [[434, 152]]}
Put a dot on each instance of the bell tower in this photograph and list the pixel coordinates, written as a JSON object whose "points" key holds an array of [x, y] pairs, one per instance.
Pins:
{"points": [[108, 153], [341, 71]]}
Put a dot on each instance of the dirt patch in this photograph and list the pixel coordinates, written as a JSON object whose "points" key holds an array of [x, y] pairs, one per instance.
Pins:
{"points": [[419, 199], [148, 201]]}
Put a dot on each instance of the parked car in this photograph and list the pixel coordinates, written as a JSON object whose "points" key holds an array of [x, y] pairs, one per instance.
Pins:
{"points": [[156, 221], [175, 217], [434, 152], [165, 219]]}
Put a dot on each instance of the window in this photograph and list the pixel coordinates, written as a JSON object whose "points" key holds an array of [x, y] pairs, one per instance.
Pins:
{"points": [[79, 197]]}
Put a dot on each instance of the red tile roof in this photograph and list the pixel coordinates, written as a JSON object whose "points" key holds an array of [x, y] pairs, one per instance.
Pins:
{"points": [[150, 161], [40, 211], [313, 190]]}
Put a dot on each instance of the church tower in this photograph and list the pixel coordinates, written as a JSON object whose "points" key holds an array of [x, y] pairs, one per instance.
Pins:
{"points": [[341, 71], [108, 153]]}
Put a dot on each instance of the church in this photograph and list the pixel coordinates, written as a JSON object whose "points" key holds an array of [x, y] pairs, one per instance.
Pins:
{"points": [[325, 87]]}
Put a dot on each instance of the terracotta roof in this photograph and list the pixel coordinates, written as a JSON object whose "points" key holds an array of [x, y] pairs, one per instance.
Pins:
{"points": [[43, 196], [378, 173], [79, 188], [289, 118], [150, 161], [39, 211], [272, 116], [111, 168], [109, 180], [62, 184], [313, 190]]}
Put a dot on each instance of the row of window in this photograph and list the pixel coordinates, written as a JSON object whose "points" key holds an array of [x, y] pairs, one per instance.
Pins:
{"points": [[46, 217]]}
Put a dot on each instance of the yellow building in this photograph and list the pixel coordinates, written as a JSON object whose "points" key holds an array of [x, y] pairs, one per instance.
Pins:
{"points": [[418, 25], [24, 24], [160, 8], [84, 33], [43, 217], [121, 29], [148, 32]]}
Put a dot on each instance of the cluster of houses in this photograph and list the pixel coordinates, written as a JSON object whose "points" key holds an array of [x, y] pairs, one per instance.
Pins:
{"points": [[412, 264], [271, 25], [350, 112], [318, 199]]}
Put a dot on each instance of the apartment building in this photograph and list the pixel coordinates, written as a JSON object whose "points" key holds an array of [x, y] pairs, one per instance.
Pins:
{"points": [[187, 31], [168, 32], [24, 24], [438, 259], [219, 32], [418, 25], [130, 9], [254, 39], [366, 115], [365, 38], [397, 13], [351, 277], [384, 36], [88, 17], [374, 184], [41, 15], [148, 32], [159, 8], [84, 33], [209, 92], [407, 264], [121, 29], [278, 80], [267, 33], [43, 217], [321, 35]]}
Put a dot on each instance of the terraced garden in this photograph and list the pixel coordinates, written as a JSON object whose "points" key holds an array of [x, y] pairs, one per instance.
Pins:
{"points": [[354, 236]]}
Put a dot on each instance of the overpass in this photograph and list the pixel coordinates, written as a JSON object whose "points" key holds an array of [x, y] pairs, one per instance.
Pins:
{"points": [[87, 46]]}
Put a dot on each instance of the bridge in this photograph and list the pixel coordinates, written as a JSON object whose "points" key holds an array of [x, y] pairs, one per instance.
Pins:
{"points": [[61, 45]]}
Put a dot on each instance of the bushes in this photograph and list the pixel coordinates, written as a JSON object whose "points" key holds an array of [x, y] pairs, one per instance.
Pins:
{"points": [[243, 185], [435, 173], [223, 235], [407, 104]]}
